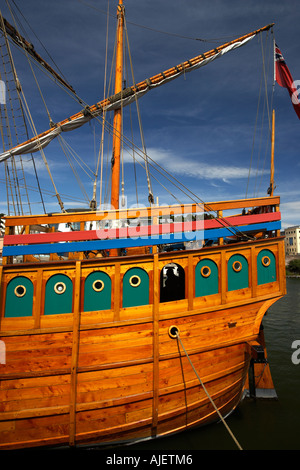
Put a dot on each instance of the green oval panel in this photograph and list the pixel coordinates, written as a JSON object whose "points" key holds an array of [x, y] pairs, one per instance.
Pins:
{"points": [[206, 284], [135, 288], [237, 279], [19, 305], [58, 302], [266, 267], [94, 298]]}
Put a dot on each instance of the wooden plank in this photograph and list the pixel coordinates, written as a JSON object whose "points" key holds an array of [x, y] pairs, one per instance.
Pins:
{"points": [[253, 271], [37, 299], [117, 292], [2, 304], [223, 277], [190, 282], [75, 354], [156, 283]]}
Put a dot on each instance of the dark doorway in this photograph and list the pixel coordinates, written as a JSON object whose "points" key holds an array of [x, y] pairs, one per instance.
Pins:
{"points": [[172, 283]]}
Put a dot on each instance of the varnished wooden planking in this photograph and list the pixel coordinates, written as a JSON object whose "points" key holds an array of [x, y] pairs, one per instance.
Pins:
{"points": [[205, 414], [75, 354], [211, 369], [155, 320], [54, 429], [115, 421], [208, 364], [104, 418], [109, 389], [125, 379], [193, 397], [199, 403]]}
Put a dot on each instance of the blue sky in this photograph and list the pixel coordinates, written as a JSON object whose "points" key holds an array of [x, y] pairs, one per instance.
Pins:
{"points": [[200, 127]]}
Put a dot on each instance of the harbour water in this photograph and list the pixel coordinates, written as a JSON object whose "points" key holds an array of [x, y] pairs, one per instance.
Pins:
{"points": [[260, 424]]}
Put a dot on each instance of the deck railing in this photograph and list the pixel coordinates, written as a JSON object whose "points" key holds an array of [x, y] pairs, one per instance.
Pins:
{"points": [[139, 227]]}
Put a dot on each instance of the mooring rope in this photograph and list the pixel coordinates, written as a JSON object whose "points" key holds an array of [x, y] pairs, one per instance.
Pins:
{"points": [[208, 395]]}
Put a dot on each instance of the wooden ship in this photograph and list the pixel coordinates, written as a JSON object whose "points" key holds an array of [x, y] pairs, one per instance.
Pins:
{"points": [[99, 333]]}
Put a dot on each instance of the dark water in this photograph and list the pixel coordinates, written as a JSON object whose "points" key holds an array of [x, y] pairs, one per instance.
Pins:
{"points": [[257, 424]]}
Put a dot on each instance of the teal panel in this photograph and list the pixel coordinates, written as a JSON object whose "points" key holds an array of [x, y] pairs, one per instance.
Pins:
{"points": [[19, 297], [206, 278], [135, 288], [97, 292], [266, 267], [238, 277], [59, 295]]}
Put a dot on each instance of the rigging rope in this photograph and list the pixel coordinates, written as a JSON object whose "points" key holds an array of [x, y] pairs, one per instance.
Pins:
{"points": [[101, 148], [271, 52], [18, 121], [150, 195], [48, 192], [43, 46], [26, 109], [267, 106], [158, 168], [64, 149], [212, 40], [234, 230], [205, 390]]}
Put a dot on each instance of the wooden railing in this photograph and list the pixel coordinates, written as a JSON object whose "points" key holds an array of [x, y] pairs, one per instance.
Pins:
{"points": [[158, 225]]}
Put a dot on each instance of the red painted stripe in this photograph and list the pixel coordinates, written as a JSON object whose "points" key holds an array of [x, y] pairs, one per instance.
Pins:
{"points": [[131, 232]]}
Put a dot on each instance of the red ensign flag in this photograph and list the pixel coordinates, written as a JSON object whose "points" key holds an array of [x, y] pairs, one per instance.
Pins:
{"points": [[284, 78]]}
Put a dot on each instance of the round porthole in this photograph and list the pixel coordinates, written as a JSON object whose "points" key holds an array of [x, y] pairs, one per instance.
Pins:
{"points": [[59, 287], [98, 285], [237, 266], [205, 271], [266, 261], [20, 291], [173, 332], [135, 280]]}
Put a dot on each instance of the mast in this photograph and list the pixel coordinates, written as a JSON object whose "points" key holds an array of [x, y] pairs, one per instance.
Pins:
{"points": [[117, 122], [271, 188]]}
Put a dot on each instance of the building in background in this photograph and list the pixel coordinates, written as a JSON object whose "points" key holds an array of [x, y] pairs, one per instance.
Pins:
{"points": [[292, 240]]}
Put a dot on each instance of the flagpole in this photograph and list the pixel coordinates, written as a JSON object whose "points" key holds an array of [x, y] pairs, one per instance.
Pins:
{"points": [[274, 62], [272, 154]]}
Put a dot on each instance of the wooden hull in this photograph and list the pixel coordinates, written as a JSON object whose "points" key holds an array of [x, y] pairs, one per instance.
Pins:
{"points": [[116, 404], [111, 376]]}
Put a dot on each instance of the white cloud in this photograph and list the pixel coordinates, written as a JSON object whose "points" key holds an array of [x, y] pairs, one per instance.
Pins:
{"points": [[290, 213], [192, 168]]}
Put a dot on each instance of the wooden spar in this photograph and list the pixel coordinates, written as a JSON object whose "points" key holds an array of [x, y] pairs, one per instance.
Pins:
{"points": [[23, 44], [272, 155], [98, 108], [117, 124]]}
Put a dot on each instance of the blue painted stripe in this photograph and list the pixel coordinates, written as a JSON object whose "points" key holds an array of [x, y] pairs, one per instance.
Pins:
{"points": [[92, 245]]}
